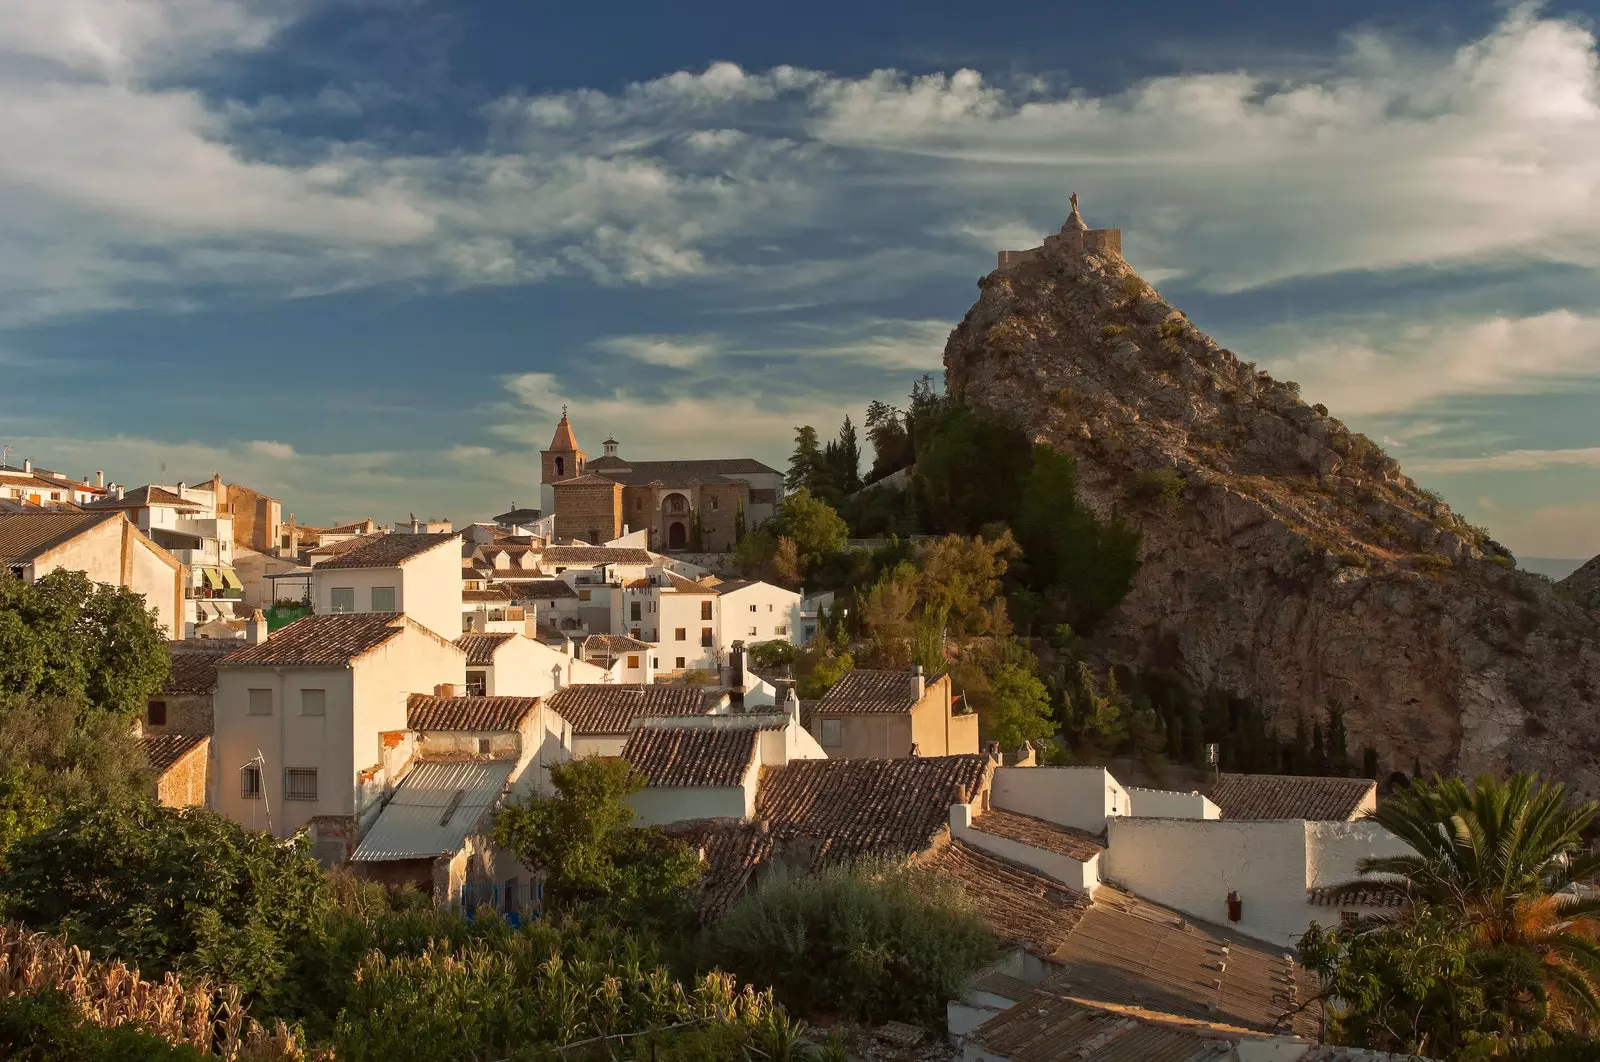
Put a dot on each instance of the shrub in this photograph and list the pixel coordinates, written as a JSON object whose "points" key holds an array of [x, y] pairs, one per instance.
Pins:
{"points": [[872, 942], [1111, 331], [1431, 562], [1160, 488], [48, 1028], [1132, 287], [774, 654]]}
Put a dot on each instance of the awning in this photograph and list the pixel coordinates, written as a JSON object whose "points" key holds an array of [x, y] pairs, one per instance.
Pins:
{"points": [[212, 578], [231, 579]]}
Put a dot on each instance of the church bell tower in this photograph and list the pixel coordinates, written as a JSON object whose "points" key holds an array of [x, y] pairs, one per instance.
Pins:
{"points": [[563, 460]]}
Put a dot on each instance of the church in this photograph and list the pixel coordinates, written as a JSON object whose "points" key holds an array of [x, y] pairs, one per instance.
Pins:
{"points": [[681, 505]]}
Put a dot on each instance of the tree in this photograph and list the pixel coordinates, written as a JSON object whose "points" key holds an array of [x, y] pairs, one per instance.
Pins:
{"points": [[1338, 741], [53, 754], [961, 578], [888, 618], [813, 524], [1500, 854], [846, 464], [1018, 709], [592, 854], [739, 523], [805, 460], [166, 889], [787, 567], [891, 443], [64, 636]]}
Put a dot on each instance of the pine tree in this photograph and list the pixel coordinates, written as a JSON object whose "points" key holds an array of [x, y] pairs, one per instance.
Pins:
{"points": [[1298, 755], [847, 459], [1319, 752], [739, 523], [1369, 763], [806, 458], [1338, 751]]}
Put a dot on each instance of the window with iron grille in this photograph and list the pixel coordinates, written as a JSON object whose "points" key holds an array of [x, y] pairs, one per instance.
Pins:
{"points": [[780, 631], [250, 782], [483, 746], [1349, 918], [300, 783]]}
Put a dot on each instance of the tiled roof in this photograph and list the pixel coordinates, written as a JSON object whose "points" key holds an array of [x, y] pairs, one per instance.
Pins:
{"points": [[1018, 904], [1039, 833], [340, 547], [609, 708], [1046, 1028], [585, 481], [612, 644], [24, 536], [1281, 796], [426, 712], [853, 808], [540, 589], [678, 473], [433, 811], [594, 555], [673, 757], [688, 586], [389, 551], [730, 586], [1329, 896], [514, 517], [140, 497], [1127, 951], [194, 664], [1330, 1053], [163, 751], [321, 641], [862, 691], [731, 851], [480, 648], [563, 439], [483, 597]]}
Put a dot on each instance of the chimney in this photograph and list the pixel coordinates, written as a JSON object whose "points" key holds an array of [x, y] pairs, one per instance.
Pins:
{"points": [[1235, 907], [183, 489], [991, 749], [27, 464], [99, 478], [445, 689], [919, 684], [736, 677], [256, 631], [119, 492], [915, 751]]}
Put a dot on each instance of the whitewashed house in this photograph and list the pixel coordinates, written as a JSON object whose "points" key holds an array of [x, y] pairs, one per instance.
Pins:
{"points": [[419, 575]]}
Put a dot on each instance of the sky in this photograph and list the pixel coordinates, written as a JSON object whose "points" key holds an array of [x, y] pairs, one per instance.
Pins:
{"points": [[360, 253]]}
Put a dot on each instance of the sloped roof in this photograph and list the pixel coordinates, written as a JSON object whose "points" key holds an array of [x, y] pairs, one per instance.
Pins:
{"points": [[688, 586], [672, 757], [1017, 903], [1047, 1028], [486, 596], [320, 641], [514, 517], [388, 551], [1282, 796], [502, 714], [594, 555], [434, 810], [862, 691], [563, 439], [611, 644], [25, 536], [609, 708], [585, 480], [678, 473], [194, 664], [1039, 833], [853, 808], [540, 589], [139, 497], [339, 547], [163, 751], [480, 648], [731, 850]]}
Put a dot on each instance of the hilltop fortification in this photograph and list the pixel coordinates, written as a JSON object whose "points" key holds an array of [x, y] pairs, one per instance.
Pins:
{"points": [[1300, 564]]}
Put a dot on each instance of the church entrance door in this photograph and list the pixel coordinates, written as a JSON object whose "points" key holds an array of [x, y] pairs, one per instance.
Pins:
{"points": [[677, 535]]}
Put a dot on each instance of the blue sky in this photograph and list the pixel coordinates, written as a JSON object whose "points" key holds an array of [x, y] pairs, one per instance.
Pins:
{"points": [[360, 253]]}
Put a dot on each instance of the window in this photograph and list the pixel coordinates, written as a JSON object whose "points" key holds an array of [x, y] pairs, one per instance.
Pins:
{"points": [[250, 782], [769, 608], [780, 631], [583, 595], [830, 732], [260, 702], [477, 684], [156, 713], [313, 702], [561, 466], [713, 504], [633, 661], [383, 599], [1349, 918], [655, 662], [680, 634], [679, 664], [705, 636], [752, 632], [483, 746], [638, 505], [752, 608], [705, 610], [633, 611], [342, 599], [300, 783]]}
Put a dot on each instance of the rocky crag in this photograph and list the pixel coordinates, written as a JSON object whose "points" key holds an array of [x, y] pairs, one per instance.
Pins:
{"points": [[1583, 585], [1285, 557]]}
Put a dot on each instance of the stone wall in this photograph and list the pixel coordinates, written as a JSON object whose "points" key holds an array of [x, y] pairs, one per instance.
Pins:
{"points": [[717, 524], [1069, 244], [183, 785], [186, 713], [256, 517], [589, 511]]}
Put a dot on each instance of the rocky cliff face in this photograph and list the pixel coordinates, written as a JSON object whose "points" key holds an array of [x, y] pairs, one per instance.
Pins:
{"points": [[1299, 563], [1583, 585]]}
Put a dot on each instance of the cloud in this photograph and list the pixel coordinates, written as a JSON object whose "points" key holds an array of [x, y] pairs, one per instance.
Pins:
{"points": [[674, 351], [1513, 461], [1564, 530], [1363, 375], [281, 451]]}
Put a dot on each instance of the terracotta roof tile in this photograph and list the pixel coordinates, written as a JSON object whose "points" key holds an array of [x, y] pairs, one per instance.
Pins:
{"points": [[24, 536], [594, 555], [140, 497], [678, 473], [862, 691], [610, 708], [585, 481], [163, 751], [1329, 896], [688, 586], [1018, 904], [1047, 1028], [673, 757], [539, 589], [1280, 796], [848, 809], [426, 712], [609, 645], [480, 648], [321, 641], [341, 547], [194, 664], [484, 597], [388, 551], [731, 850], [1039, 833]]}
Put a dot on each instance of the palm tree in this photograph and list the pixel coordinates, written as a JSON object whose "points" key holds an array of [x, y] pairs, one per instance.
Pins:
{"points": [[1503, 855]]}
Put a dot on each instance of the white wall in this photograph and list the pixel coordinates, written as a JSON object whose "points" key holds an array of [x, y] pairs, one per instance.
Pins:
{"points": [[584, 746], [682, 612], [1334, 848], [1080, 797], [1170, 804], [526, 668], [659, 806], [427, 587], [1192, 865], [775, 607], [1068, 871]]}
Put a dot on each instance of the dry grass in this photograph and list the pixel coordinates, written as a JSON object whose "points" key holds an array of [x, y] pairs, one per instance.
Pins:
{"points": [[208, 1018]]}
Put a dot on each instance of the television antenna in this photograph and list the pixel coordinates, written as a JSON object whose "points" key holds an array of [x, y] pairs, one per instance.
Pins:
{"points": [[259, 762]]}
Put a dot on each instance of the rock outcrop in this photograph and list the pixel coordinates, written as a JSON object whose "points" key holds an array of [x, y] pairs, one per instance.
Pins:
{"points": [[1583, 585], [1300, 564]]}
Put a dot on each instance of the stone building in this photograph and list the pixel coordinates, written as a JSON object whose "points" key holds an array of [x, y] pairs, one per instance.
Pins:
{"points": [[679, 504], [1075, 238]]}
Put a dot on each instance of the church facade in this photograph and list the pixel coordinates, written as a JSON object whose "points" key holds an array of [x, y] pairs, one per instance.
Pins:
{"points": [[680, 504]]}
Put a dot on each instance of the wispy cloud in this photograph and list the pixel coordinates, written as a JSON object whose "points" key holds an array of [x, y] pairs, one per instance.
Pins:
{"points": [[673, 351], [1512, 461], [281, 451]]}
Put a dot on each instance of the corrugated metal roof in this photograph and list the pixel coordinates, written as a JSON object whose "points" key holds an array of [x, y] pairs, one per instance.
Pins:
{"points": [[433, 811]]}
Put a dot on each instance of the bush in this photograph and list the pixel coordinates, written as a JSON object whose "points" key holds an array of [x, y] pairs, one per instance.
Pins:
{"points": [[1132, 287], [1160, 488], [872, 942], [771, 655], [48, 1028]]}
